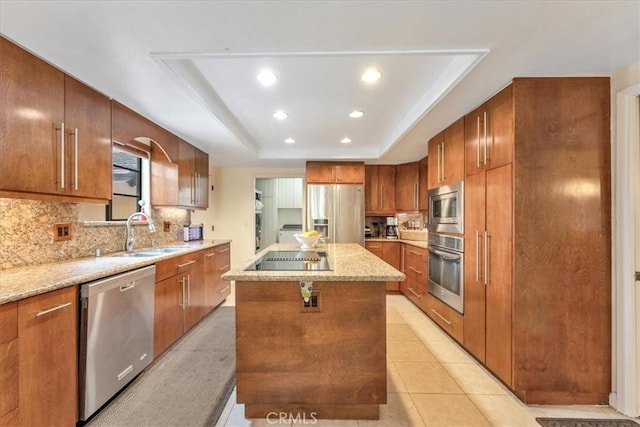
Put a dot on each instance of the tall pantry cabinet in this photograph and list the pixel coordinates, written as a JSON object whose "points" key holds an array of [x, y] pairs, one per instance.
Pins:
{"points": [[537, 239]]}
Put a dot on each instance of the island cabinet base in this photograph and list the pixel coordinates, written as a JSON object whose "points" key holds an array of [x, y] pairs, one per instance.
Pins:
{"points": [[324, 362]]}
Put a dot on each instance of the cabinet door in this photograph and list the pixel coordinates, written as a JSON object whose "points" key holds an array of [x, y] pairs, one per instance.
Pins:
{"points": [[500, 128], [474, 266], [48, 348], [499, 283], [195, 293], [168, 313], [452, 153], [31, 117], [433, 159], [391, 255], [201, 180], [349, 173], [489, 133], [9, 361], [407, 187], [423, 185], [88, 127], [209, 278], [319, 173], [186, 173], [371, 188], [387, 185]]}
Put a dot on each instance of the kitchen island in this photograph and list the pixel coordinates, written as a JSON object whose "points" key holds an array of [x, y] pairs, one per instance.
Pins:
{"points": [[320, 358]]}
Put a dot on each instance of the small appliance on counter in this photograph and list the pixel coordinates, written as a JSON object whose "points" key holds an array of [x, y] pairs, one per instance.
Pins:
{"points": [[367, 232], [192, 232], [392, 227]]}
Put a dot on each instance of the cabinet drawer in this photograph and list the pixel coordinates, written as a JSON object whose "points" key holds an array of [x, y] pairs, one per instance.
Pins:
{"points": [[173, 266], [9, 322], [223, 258], [446, 317]]}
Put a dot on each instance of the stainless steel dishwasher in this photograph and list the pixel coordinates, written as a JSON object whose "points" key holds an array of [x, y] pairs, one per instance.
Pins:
{"points": [[116, 334]]}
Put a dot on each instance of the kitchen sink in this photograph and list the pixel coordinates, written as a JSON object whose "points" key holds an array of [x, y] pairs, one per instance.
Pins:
{"points": [[150, 252], [136, 254]]}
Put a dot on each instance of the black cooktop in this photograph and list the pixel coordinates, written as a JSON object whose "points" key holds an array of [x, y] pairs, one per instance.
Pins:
{"points": [[302, 260]]}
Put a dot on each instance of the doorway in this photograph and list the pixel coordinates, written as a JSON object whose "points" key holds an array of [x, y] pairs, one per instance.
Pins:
{"points": [[281, 213]]}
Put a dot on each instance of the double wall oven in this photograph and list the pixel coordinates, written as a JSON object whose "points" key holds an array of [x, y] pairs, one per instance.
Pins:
{"points": [[446, 250]]}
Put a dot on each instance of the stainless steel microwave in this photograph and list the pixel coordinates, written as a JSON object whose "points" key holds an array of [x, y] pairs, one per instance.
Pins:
{"points": [[446, 209]]}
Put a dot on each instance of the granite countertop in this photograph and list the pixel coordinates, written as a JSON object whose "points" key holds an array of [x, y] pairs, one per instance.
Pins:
{"points": [[418, 243], [349, 262], [23, 282]]}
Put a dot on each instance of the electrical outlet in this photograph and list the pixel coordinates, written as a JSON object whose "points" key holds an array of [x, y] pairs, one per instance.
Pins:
{"points": [[166, 226], [313, 305], [61, 232], [212, 228]]}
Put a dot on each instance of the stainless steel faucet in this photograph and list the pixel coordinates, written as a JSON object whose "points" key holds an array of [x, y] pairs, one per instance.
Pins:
{"points": [[131, 239]]}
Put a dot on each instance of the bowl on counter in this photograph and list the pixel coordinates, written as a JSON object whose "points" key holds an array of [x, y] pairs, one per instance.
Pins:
{"points": [[306, 242]]}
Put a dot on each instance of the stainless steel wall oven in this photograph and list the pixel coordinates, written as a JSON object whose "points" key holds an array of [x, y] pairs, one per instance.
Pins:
{"points": [[446, 269]]}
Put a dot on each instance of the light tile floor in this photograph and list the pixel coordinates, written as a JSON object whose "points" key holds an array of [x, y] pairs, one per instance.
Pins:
{"points": [[431, 382]]}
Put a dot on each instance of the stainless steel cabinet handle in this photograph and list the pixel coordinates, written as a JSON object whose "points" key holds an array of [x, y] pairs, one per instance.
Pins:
{"points": [[210, 255], [62, 155], [186, 263], [478, 145], [477, 255], [50, 310], [224, 267], [415, 270], [75, 166], [124, 373], [223, 250], [486, 257], [444, 319], [415, 195], [183, 293], [443, 161], [439, 161], [485, 138], [189, 290], [414, 292], [225, 289]]}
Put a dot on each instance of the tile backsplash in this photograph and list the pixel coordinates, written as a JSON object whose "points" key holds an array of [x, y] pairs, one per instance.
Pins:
{"points": [[26, 232]]}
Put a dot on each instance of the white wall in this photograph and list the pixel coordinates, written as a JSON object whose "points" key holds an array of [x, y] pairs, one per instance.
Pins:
{"points": [[233, 206], [625, 157]]}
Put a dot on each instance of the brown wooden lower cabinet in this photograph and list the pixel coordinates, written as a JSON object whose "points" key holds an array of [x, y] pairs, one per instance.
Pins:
{"points": [[188, 287], [389, 252], [38, 360], [414, 264], [447, 318]]}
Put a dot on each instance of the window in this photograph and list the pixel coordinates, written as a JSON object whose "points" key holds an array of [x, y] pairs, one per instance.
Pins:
{"points": [[128, 183]]}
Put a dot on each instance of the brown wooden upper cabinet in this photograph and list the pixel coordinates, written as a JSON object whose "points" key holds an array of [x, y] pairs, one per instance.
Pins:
{"points": [[446, 155], [193, 180], [489, 134], [56, 132], [423, 186], [380, 189], [407, 187], [335, 173]]}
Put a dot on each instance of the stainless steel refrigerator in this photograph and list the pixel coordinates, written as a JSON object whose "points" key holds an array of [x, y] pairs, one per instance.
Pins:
{"points": [[337, 212]]}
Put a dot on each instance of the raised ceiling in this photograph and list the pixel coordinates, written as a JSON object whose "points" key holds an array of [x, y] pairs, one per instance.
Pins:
{"points": [[191, 66]]}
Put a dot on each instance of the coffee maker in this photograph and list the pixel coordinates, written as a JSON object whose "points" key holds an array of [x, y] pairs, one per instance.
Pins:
{"points": [[392, 227]]}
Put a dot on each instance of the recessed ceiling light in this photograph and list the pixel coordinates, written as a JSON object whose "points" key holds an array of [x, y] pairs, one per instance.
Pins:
{"points": [[345, 140], [280, 115], [371, 75], [356, 114], [266, 78], [289, 140]]}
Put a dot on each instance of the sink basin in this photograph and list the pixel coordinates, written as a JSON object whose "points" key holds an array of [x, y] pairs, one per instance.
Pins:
{"points": [[136, 254], [150, 252]]}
